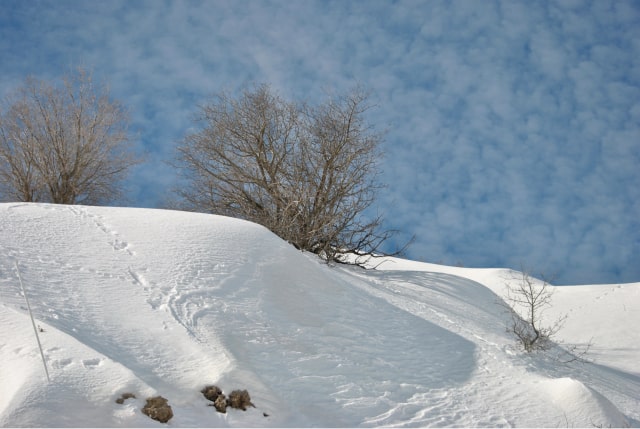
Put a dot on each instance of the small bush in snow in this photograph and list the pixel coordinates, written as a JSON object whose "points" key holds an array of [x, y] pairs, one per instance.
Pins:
{"points": [[221, 404], [240, 399], [526, 300], [158, 409], [215, 395], [211, 392], [124, 397]]}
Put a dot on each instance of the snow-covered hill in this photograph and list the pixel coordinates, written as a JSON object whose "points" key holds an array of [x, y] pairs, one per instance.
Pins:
{"points": [[157, 302]]}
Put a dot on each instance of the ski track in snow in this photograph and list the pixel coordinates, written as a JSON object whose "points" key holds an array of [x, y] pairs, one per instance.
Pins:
{"points": [[73, 304], [490, 354], [334, 346]]}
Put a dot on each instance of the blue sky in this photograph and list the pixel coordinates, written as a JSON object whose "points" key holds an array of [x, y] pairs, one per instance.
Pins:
{"points": [[513, 128]]}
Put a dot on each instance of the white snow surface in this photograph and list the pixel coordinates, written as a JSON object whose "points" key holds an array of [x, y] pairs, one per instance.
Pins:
{"points": [[158, 302]]}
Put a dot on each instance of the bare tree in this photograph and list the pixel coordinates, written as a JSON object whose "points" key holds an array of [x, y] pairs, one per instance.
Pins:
{"points": [[308, 173], [64, 144], [526, 300]]}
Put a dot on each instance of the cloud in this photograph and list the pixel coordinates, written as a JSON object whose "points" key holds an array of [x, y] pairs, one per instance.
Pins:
{"points": [[512, 126], [539, 109]]}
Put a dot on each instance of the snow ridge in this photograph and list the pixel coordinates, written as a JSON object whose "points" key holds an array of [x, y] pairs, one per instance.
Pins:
{"points": [[164, 302]]}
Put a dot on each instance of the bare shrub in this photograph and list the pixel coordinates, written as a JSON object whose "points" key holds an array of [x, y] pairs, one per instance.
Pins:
{"points": [[158, 408], [215, 395], [240, 399], [211, 392], [526, 300], [124, 397], [220, 403], [66, 144], [306, 173]]}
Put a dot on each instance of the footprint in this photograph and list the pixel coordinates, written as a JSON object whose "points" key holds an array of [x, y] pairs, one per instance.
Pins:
{"points": [[120, 245], [101, 226], [138, 278], [91, 363], [61, 363]]}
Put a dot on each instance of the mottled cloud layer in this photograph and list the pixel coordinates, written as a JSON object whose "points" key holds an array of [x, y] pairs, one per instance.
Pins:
{"points": [[513, 128]]}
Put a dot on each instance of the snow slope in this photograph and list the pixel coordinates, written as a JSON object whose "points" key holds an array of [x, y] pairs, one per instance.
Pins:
{"points": [[157, 302]]}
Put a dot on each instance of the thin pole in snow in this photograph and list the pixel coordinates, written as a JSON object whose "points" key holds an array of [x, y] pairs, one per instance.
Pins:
{"points": [[33, 322]]}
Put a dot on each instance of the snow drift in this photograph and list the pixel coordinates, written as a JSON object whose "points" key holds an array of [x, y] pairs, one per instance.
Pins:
{"points": [[156, 302]]}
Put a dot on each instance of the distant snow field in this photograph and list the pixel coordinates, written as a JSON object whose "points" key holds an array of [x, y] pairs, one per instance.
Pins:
{"points": [[157, 302]]}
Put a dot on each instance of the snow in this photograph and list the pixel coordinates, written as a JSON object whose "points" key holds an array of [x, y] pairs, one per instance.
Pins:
{"points": [[158, 302]]}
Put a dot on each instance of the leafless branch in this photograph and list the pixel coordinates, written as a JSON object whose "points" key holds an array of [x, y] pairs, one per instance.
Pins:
{"points": [[306, 173], [65, 144], [526, 301]]}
